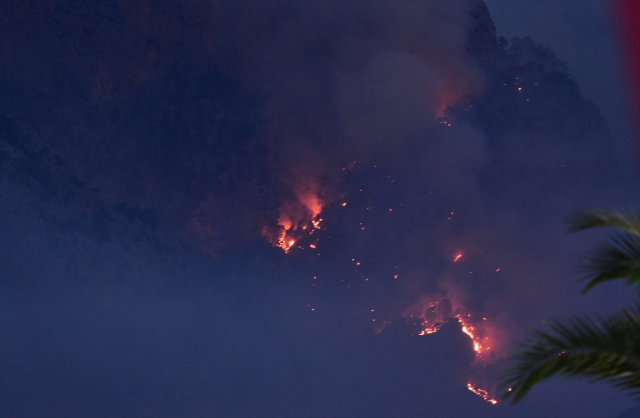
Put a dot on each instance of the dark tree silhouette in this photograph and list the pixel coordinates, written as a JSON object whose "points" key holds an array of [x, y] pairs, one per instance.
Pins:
{"points": [[606, 348]]}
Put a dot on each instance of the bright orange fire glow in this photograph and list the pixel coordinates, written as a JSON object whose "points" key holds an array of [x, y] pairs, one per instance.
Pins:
{"points": [[431, 317], [482, 393], [457, 258], [468, 329], [298, 217]]}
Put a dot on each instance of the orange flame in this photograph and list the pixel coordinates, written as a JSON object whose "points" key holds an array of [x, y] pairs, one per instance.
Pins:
{"points": [[482, 393], [468, 329], [432, 317], [298, 217]]}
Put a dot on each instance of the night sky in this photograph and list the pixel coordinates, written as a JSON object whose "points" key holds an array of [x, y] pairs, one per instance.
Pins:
{"points": [[311, 208]]}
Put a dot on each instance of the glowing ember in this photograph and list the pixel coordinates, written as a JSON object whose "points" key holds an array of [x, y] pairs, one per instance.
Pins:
{"points": [[468, 329], [457, 258], [430, 318], [298, 218], [482, 393]]}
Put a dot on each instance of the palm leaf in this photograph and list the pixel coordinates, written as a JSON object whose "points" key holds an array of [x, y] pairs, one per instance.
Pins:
{"points": [[618, 259], [605, 350], [587, 219]]}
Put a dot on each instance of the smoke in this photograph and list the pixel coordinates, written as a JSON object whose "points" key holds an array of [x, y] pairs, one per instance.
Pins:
{"points": [[387, 99], [359, 137], [344, 82]]}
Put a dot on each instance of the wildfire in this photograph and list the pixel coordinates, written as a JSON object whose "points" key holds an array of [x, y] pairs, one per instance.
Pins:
{"points": [[432, 317], [299, 217], [468, 329], [437, 313], [288, 236], [482, 393]]}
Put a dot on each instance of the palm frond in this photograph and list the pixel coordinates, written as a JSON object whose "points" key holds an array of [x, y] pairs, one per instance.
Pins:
{"points": [[604, 350], [618, 259], [587, 219]]}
